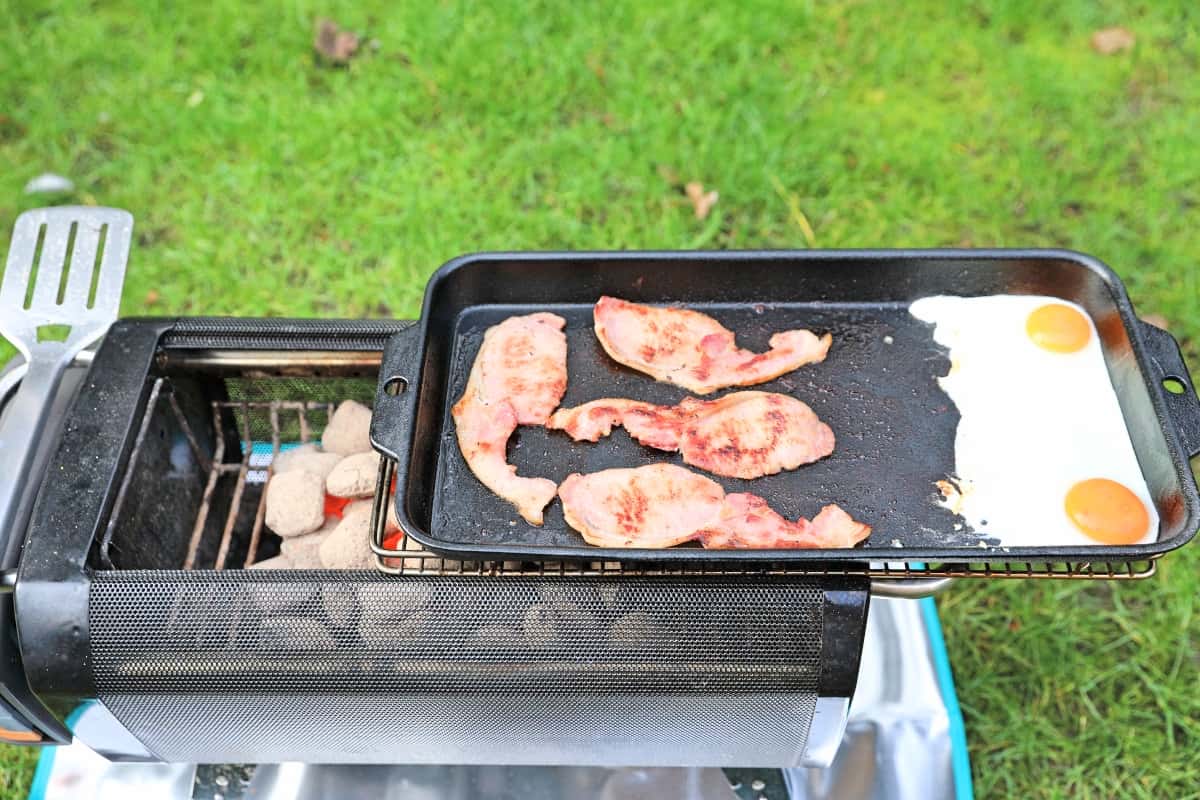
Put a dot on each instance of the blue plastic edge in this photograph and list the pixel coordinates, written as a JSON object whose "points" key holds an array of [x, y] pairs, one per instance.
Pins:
{"points": [[265, 448], [45, 765], [960, 757]]}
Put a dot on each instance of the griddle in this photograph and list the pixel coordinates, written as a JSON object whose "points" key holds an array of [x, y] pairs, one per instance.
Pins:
{"points": [[877, 390]]}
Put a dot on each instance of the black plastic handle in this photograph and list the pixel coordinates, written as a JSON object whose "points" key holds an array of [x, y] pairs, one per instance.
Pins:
{"points": [[1184, 406], [393, 419]]}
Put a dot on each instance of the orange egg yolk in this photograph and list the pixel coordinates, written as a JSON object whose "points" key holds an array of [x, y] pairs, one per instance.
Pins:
{"points": [[1107, 511], [1058, 328]]}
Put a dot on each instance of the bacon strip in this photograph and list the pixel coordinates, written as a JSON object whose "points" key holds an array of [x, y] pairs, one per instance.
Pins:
{"points": [[518, 378], [695, 351], [748, 522], [741, 435], [662, 505]]}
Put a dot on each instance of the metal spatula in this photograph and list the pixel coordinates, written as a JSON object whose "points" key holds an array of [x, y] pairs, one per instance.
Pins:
{"points": [[66, 269]]}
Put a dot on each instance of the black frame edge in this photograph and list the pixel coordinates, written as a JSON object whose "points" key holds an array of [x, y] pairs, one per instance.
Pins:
{"points": [[843, 631]]}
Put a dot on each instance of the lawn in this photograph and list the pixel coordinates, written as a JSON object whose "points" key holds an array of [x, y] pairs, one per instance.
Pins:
{"points": [[266, 182]]}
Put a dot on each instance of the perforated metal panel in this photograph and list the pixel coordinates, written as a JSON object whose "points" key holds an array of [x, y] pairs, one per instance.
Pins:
{"points": [[262, 334], [359, 666], [650, 730]]}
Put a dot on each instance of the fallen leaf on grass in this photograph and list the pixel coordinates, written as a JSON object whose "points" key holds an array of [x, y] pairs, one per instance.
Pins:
{"points": [[1108, 41], [702, 201], [334, 44], [10, 129], [152, 297], [596, 66], [668, 174]]}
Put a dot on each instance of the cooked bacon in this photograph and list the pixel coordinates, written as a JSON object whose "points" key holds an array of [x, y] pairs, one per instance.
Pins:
{"points": [[695, 351], [741, 435], [748, 522], [483, 432], [662, 505], [654, 506], [518, 378], [523, 360], [654, 426]]}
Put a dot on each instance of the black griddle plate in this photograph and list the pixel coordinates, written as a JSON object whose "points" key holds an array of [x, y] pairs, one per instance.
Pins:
{"points": [[895, 434]]}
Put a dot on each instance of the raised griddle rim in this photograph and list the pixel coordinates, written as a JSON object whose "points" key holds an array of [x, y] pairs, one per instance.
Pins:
{"points": [[1156, 352]]}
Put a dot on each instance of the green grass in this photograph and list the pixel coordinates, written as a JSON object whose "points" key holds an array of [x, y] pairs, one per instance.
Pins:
{"points": [[264, 183]]}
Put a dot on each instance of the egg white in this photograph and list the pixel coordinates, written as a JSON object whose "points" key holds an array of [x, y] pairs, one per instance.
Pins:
{"points": [[1033, 422]]}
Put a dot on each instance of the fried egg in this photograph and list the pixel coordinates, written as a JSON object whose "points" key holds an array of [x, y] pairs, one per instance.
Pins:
{"points": [[1042, 454]]}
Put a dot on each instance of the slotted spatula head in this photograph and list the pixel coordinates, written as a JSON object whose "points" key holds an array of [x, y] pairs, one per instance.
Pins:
{"points": [[66, 267]]}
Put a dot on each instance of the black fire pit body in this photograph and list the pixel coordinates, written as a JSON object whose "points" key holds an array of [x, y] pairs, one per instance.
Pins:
{"points": [[459, 663]]}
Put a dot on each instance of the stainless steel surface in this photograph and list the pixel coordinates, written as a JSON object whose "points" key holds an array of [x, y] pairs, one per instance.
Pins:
{"points": [[80, 773], [826, 731], [271, 361], [222, 782], [305, 782], [139, 782], [15, 370], [897, 742], [66, 268], [99, 730], [910, 589], [11, 379]]}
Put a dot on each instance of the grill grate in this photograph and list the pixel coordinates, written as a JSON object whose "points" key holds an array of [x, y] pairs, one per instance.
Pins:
{"points": [[248, 414], [265, 413]]}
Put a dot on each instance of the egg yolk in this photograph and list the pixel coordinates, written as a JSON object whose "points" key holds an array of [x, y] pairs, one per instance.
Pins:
{"points": [[1107, 511], [1058, 328]]}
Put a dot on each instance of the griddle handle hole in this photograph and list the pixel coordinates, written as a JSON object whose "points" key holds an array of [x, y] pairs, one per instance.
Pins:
{"points": [[395, 386], [1174, 385]]}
